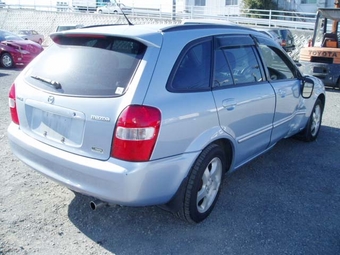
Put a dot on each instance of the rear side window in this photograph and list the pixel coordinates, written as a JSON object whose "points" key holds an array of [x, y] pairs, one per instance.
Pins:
{"points": [[192, 71], [87, 65]]}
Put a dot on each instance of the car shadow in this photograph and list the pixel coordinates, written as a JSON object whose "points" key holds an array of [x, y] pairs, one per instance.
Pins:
{"points": [[331, 89], [3, 74], [279, 203]]}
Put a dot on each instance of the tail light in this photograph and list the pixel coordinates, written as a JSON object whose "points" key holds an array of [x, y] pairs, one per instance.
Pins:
{"points": [[12, 104], [283, 43], [136, 133]]}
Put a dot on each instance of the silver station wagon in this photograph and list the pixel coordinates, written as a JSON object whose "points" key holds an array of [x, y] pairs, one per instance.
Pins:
{"points": [[141, 115]]}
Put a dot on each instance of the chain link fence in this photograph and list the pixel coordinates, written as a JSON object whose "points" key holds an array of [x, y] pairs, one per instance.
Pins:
{"points": [[46, 22]]}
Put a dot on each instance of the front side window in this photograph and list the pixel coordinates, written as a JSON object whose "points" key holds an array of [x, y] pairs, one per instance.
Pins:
{"points": [[279, 67], [193, 69]]}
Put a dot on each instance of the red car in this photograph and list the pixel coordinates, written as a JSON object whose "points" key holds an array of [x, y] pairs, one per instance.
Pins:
{"points": [[15, 51]]}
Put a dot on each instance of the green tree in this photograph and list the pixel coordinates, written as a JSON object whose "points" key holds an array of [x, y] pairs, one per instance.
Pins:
{"points": [[260, 4]]}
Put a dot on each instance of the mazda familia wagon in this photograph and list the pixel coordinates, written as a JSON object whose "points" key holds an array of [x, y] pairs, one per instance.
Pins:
{"points": [[141, 115]]}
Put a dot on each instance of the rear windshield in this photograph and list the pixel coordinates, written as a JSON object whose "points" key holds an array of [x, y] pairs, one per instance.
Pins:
{"points": [[87, 66]]}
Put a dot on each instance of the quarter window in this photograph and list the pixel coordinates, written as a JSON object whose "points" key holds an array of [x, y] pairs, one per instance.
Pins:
{"points": [[193, 71]]}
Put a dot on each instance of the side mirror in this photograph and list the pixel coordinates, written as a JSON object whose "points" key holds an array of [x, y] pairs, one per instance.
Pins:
{"points": [[307, 87]]}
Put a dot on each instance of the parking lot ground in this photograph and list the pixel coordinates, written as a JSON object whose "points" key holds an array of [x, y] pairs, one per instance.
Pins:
{"points": [[287, 201]]}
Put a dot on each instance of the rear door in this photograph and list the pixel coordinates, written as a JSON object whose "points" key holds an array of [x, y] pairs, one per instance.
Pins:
{"points": [[244, 99]]}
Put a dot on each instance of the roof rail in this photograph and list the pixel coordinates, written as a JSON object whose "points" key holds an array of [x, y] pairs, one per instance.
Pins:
{"points": [[207, 21]]}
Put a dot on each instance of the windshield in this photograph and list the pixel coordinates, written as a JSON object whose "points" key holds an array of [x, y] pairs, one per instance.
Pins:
{"points": [[23, 32], [324, 27], [7, 36], [319, 32]]}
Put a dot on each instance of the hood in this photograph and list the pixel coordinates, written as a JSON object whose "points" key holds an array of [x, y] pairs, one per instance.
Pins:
{"points": [[27, 45]]}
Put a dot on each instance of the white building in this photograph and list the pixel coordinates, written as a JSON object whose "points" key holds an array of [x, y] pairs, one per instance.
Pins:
{"points": [[219, 7], [226, 6]]}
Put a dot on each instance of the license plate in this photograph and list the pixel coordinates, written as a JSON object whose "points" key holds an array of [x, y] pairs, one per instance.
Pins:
{"points": [[58, 128], [318, 69]]}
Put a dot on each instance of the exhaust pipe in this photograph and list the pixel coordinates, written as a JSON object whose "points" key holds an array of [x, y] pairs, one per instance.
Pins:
{"points": [[97, 204]]}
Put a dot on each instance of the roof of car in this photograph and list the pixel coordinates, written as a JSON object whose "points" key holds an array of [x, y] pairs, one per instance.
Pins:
{"points": [[153, 33], [154, 28], [330, 13]]}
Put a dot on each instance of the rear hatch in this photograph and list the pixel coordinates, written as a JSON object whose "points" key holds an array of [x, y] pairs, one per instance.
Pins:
{"points": [[72, 95]]}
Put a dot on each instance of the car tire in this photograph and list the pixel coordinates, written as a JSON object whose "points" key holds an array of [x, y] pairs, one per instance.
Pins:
{"points": [[337, 85], [204, 184], [310, 133], [40, 41], [7, 60]]}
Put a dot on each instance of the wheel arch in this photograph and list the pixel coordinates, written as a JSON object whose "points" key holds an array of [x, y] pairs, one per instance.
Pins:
{"points": [[228, 148], [322, 98], [175, 204], [337, 84]]}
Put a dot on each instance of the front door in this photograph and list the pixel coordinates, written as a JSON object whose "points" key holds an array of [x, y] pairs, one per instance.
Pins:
{"points": [[244, 100]]}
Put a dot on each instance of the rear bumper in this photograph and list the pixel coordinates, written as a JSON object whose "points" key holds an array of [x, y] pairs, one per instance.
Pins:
{"points": [[113, 181]]}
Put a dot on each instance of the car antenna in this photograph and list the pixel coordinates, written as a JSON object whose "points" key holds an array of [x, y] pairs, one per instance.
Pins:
{"points": [[129, 22]]}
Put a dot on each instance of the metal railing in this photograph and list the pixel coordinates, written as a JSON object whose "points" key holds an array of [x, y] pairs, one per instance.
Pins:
{"points": [[250, 17]]}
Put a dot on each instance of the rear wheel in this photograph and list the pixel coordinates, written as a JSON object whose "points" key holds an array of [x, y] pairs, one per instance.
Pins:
{"points": [[312, 129], [7, 60], [337, 84], [204, 183]]}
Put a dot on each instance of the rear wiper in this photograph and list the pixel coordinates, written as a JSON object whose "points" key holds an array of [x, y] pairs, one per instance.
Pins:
{"points": [[55, 84]]}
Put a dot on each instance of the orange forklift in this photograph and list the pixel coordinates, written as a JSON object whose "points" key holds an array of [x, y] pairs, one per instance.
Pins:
{"points": [[322, 56]]}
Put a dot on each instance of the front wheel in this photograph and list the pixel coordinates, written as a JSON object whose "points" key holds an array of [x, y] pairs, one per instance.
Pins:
{"points": [[337, 85], [204, 183], [7, 60], [310, 133]]}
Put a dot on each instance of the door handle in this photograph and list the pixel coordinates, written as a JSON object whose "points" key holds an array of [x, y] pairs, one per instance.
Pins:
{"points": [[229, 104], [281, 92]]}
